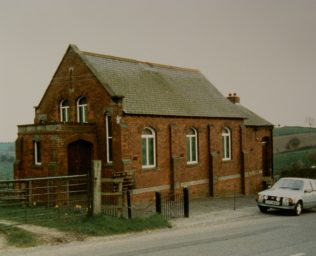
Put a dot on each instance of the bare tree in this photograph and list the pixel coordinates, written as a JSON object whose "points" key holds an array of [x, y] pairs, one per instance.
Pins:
{"points": [[310, 121]]}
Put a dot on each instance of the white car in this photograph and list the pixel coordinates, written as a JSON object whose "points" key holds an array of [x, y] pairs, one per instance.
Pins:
{"points": [[293, 194]]}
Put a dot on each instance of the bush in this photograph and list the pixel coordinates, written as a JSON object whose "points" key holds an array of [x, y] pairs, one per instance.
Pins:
{"points": [[302, 173]]}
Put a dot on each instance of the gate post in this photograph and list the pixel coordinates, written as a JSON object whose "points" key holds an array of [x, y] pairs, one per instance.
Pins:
{"points": [[96, 184], [129, 204], [158, 202], [186, 202]]}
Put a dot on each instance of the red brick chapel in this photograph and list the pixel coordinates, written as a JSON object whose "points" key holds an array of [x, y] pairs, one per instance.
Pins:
{"points": [[161, 127]]}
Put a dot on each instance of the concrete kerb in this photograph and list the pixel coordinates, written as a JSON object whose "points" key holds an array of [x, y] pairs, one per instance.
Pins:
{"points": [[211, 210]]}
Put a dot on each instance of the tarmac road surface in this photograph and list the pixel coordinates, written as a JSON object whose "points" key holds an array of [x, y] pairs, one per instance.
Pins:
{"points": [[244, 231]]}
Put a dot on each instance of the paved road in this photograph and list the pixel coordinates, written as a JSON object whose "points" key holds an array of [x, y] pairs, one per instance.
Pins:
{"points": [[244, 232]]}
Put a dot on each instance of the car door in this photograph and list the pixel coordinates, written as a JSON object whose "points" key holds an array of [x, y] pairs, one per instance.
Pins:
{"points": [[309, 197], [313, 184]]}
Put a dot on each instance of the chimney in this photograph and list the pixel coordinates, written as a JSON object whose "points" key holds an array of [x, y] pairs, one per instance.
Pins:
{"points": [[233, 98]]}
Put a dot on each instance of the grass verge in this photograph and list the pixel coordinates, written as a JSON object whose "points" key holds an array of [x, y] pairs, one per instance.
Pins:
{"points": [[18, 237], [70, 221], [78, 222], [105, 225]]}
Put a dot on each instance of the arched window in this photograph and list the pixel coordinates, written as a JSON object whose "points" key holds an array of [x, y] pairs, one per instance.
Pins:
{"points": [[64, 110], [148, 148], [82, 110], [226, 144], [192, 147]]}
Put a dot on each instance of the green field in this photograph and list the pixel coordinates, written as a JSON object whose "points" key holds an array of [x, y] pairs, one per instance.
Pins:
{"points": [[298, 159], [292, 130], [6, 170]]}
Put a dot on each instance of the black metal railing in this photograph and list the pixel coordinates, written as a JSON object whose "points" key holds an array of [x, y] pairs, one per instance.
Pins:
{"points": [[173, 205]]}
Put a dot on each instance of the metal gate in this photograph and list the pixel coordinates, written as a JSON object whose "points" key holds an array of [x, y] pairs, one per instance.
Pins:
{"points": [[174, 205], [44, 199]]}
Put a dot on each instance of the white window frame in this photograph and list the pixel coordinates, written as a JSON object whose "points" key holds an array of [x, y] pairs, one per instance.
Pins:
{"points": [[109, 139], [146, 139], [226, 144], [191, 144], [37, 153], [64, 111], [82, 110]]}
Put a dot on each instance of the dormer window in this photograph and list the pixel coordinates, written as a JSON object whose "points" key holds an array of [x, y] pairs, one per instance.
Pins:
{"points": [[64, 111], [82, 110]]}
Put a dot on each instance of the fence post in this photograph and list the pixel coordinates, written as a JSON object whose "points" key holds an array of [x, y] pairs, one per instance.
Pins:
{"points": [[186, 202], [234, 197], [158, 202], [29, 194], [96, 180], [129, 204]]}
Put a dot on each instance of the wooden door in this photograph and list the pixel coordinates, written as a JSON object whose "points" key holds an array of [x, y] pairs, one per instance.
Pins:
{"points": [[79, 157]]}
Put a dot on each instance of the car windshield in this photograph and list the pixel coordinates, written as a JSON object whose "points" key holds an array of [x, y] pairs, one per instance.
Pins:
{"points": [[289, 184]]}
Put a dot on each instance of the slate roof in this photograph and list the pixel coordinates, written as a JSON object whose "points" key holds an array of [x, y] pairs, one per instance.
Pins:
{"points": [[252, 119], [155, 89]]}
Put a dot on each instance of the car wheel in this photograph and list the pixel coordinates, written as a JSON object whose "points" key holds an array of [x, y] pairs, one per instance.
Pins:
{"points": [[263, 209], [298, 208]]}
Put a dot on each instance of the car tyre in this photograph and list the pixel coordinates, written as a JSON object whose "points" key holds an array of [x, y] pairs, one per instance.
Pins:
{"points": [[298, 208], [263, 209]]}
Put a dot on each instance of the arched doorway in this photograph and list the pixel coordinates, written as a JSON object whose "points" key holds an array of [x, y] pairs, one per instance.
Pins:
{"points": [[79, 157]]}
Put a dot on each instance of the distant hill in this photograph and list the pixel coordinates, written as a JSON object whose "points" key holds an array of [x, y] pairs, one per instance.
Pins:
{"points": [[7, 146], [290, 130], [294, 148], [292, 138], [7, 156], [7, 149]]}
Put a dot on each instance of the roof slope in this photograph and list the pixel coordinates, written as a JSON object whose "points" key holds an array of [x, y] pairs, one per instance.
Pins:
{"points": [[155, 89], [252, 119]]}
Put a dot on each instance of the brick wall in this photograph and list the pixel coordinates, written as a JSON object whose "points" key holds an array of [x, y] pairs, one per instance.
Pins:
{"points": [[210, 176]]}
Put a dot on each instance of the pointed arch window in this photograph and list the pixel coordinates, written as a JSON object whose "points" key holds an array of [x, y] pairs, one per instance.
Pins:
{"points": [[148, 148], [226, 144], [82, 110], [192, 146], [64, 110]]}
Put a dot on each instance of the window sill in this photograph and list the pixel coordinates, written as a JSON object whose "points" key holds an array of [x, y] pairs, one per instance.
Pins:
{"points": [[37, 166], [193, 164], [108, 164], [227, 160], [145, 169]]}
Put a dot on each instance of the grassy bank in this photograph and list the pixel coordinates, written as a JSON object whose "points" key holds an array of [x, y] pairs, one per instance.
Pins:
{"points": [[105, 225], [18, 237], [70, 220], [76, 225]]}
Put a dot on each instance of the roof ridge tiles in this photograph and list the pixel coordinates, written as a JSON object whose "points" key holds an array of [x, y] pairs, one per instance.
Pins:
{"points": [[140, 61]]}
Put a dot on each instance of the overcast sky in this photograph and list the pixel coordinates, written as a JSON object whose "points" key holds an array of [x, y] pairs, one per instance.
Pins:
{"points": [[265, 51]]}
